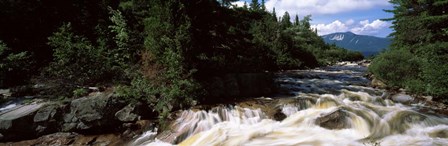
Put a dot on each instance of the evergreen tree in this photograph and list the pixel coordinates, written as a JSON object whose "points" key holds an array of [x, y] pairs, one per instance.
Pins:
{"points": [[426, 42], [274, 15], [254, 5], [296, 20], [286, 21], [226, 3], [263, 6]]}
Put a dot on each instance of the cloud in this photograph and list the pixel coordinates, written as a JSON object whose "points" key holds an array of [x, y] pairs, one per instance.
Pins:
{"points": [[238, 3], [336, 26], [370, 28], [364, 27], [321, 7], [350, 22]]}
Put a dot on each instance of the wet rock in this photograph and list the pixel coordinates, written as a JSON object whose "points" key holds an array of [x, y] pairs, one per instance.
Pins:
{"points": [[427, 98], [28, 121], [75, 139], [127, 114], [439, 134], [68, 126], [47, 119], [57, 139], [135, 111], [46, 113], [377, 83], [279, 115], [334, 120], [5, 92], [137, 128], [93, 114], [18, 123], [402, 98], [167, 136], [22, 91]]}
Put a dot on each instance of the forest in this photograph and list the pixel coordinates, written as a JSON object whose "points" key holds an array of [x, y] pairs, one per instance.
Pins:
{"points": [[418, 58], [158, 51]]}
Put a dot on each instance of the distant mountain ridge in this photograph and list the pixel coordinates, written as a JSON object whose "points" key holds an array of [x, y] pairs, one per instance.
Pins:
{"points": [[367, 45]]}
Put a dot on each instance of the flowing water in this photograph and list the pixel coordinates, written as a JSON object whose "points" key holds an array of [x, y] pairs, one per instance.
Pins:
{"points": [[328, 106]]}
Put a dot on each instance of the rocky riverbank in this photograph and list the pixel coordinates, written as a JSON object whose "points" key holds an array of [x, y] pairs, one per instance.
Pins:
{"points": [[101, 114], [97, 113]]}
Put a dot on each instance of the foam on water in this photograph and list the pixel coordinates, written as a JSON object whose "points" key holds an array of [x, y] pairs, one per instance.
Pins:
{"points": [[344, 111]]}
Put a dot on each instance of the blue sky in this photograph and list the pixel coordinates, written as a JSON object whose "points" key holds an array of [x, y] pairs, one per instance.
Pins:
{"points": [[329, 16]]}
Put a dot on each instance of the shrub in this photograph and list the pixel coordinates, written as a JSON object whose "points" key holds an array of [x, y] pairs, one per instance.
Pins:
{"points": [[76, 60], [397, 68], [14, 67], [80, 92]]}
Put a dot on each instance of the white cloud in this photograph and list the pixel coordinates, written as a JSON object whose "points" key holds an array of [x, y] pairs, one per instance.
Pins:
{"points": [[370, 28], [350, 22], [336, 26], [363, 27], [319, 7], [238, 3]]}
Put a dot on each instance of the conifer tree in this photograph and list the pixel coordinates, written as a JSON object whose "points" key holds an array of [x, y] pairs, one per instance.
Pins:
{"points": [[254, 5], [286, 20]]}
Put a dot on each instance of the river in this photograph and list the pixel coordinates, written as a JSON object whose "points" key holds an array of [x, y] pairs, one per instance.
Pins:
{"points": [[333, 105]]}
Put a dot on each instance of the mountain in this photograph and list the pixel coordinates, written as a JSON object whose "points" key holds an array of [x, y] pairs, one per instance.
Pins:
{"points": [[367, 45]]}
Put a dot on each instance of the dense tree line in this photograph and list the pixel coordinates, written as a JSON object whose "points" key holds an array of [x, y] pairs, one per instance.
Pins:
{"points": [[418, 58], [160, 51]]}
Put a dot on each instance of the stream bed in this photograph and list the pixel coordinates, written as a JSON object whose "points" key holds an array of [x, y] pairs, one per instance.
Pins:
{"points": [[328, 106]]}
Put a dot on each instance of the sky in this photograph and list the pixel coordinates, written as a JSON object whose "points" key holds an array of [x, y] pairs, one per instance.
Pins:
{"points": [[361, 17]]}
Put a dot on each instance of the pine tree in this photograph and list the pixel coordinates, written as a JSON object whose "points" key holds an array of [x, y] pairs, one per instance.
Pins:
{"points": [[254, 5], [286, 20], [297, 21], [420, 31], [263, 6], [274, 15]]}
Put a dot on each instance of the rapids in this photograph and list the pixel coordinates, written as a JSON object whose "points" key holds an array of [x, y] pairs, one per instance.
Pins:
{"points": [[327, 106]]}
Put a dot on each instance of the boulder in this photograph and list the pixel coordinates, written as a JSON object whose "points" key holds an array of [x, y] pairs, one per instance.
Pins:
{"points": [[279, 115], [57, 139], [94, 113], [17, 123], [334, 120], [46, 113], [47, 119], [5, 92], [129, 113], [402, 98], [69, 139], [378, 83]]}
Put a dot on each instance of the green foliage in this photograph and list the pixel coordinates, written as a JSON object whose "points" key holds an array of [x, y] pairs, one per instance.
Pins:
{"points": [[396, 67], [254, 5], [80, 92], [122, 53], [76, 60], [418, 57], [13, 66]]}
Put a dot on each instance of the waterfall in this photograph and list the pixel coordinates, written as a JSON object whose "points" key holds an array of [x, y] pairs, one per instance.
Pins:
{"points": [[327, 106]]}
